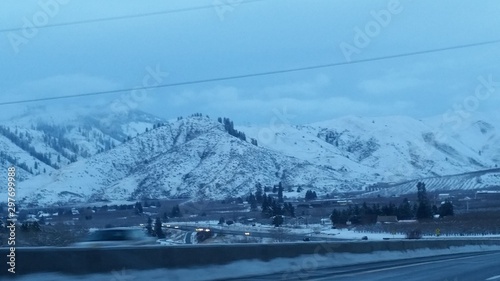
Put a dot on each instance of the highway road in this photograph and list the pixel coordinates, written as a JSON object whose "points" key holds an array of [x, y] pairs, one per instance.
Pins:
{"points": [[285, 236], [458, 267]]}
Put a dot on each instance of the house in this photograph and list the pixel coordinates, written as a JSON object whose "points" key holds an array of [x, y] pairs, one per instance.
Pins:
{"points": [[387, 219], [488, 194], [444, 196], [325, 221]]}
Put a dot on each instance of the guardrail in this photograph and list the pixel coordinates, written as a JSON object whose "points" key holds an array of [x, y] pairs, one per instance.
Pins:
{"points": [[94, 260]]}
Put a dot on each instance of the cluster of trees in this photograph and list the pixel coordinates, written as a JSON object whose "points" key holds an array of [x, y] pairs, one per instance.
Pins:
{"points": [[158, 125], [311, 195], [368, 214], [446, 209], [425, 210], [155, 230], [274, 188], [196, 115], [421, 210], [54, 137], [331, 137], [63, 146], [6, 158], [138, 208], [23, 141], [229, 127], [176, 212], [271, 207]]}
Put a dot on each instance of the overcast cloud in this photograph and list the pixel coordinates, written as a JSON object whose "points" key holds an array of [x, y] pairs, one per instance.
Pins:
{"points": [[241, 38]]}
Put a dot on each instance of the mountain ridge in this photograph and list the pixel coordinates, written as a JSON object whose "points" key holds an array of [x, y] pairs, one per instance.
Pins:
{"points": [[203, 158]]}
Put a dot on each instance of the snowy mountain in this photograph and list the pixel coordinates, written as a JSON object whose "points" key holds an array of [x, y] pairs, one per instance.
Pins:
{"points": [[385, 149], [40, 142], [479, 131], [194, 156], [146, 157]]}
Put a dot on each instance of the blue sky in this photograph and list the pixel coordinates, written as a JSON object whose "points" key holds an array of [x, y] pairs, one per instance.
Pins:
{"points": [[232, 38]]}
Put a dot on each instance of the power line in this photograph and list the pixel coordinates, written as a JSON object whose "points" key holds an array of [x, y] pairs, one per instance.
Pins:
{"points": [[242, 76], [182, 10]]}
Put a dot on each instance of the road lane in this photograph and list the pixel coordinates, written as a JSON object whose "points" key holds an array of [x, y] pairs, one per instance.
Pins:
{"points": [[456, 267], [262, 234], [472, 268]]}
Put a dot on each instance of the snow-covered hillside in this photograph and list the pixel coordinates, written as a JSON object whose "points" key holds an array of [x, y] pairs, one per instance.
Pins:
{"points": [[479, 131], [146, 157], [395, 148], [40, 142], [466, 181], [189, 157]]}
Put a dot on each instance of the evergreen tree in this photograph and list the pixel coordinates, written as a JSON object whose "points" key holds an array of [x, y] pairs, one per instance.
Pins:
{"points": [[276, 209], [265, 204], [356, 211], [291, 210], [404, 210], [310, 195], [389, 210], [280, 193], [222, 220], [376, 209], [138, 208], [365, 210], [176, 212], [424, 210], [158, 231], [435, 210], [335, 217], [149, 227], [253, 202], [258, 192], [446, 209], [270, 207], [254, 142]]}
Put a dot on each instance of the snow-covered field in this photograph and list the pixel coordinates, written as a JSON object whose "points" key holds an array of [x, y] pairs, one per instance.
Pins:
{"points": [[307, 264]]}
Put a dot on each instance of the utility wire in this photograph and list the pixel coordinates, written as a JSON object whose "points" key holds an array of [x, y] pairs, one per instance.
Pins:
{"points": [[242, 76], [182, 10]]}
